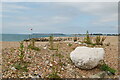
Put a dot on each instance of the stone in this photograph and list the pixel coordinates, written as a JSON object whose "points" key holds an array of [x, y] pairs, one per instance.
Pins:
{"points": [[99, 75], [37, 76], [76, 42], [45, 47], [46, 62], [83, 76], [62, 69], [79, 43], [85, 44], [13, 68], [109, 73], [87, 58], [51, 64]]}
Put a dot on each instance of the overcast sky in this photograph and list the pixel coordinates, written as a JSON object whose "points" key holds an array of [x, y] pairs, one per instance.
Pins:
{"points": [[59, 17]]}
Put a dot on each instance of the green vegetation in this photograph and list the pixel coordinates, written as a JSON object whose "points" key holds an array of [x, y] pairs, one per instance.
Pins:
{"points": [[21, 55], [62, 64], [21, 66], [99, 40], [105, 67], [32, 45], [69, 44], [53, 75], [32, 41], [51, 42], [58, 55], [87, 39], [55, 72], [33, 48], [55, 69]]}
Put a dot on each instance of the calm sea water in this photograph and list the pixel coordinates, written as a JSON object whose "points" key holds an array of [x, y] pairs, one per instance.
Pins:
{"points": [[20, 37]]}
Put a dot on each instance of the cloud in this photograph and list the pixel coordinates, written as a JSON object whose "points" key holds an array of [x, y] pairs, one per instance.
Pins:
{"points": [[13, 8], [107, 19], [60, 0], [101, 9], [38, 20], [53, 16]]}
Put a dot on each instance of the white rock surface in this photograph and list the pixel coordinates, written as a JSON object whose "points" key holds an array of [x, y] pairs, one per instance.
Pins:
{"points": [[87, 58]]}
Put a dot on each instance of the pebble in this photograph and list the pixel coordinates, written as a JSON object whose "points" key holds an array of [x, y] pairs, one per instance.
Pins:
{"points": [[37, 59], [46, 62], [36, 76], [85, 44], [83, 76], [79, 43], [30, 75], [13, 68], [75, 42], [51, 64], [68, 64], [70, 69], [44, 47], [62, 68], [109, 73], [55, 62]]}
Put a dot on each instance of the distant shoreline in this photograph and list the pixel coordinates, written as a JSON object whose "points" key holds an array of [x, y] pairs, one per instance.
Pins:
{"points": [[48, 38]]}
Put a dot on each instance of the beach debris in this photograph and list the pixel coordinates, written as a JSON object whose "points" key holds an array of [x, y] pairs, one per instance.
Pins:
{"points": [[87, 58]]}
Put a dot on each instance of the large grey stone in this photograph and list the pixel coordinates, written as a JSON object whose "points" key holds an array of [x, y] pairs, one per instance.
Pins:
{"points": [[87, 58]]}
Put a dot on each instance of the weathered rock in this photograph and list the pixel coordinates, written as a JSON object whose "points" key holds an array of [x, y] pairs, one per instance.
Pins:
{"points": [[87, 58]]}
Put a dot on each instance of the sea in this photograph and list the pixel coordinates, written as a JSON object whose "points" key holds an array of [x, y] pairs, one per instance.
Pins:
{"points": [[21, 37]]}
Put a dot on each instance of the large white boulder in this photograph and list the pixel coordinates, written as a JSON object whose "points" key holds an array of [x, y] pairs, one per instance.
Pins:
{"points": [[87, 58]]}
